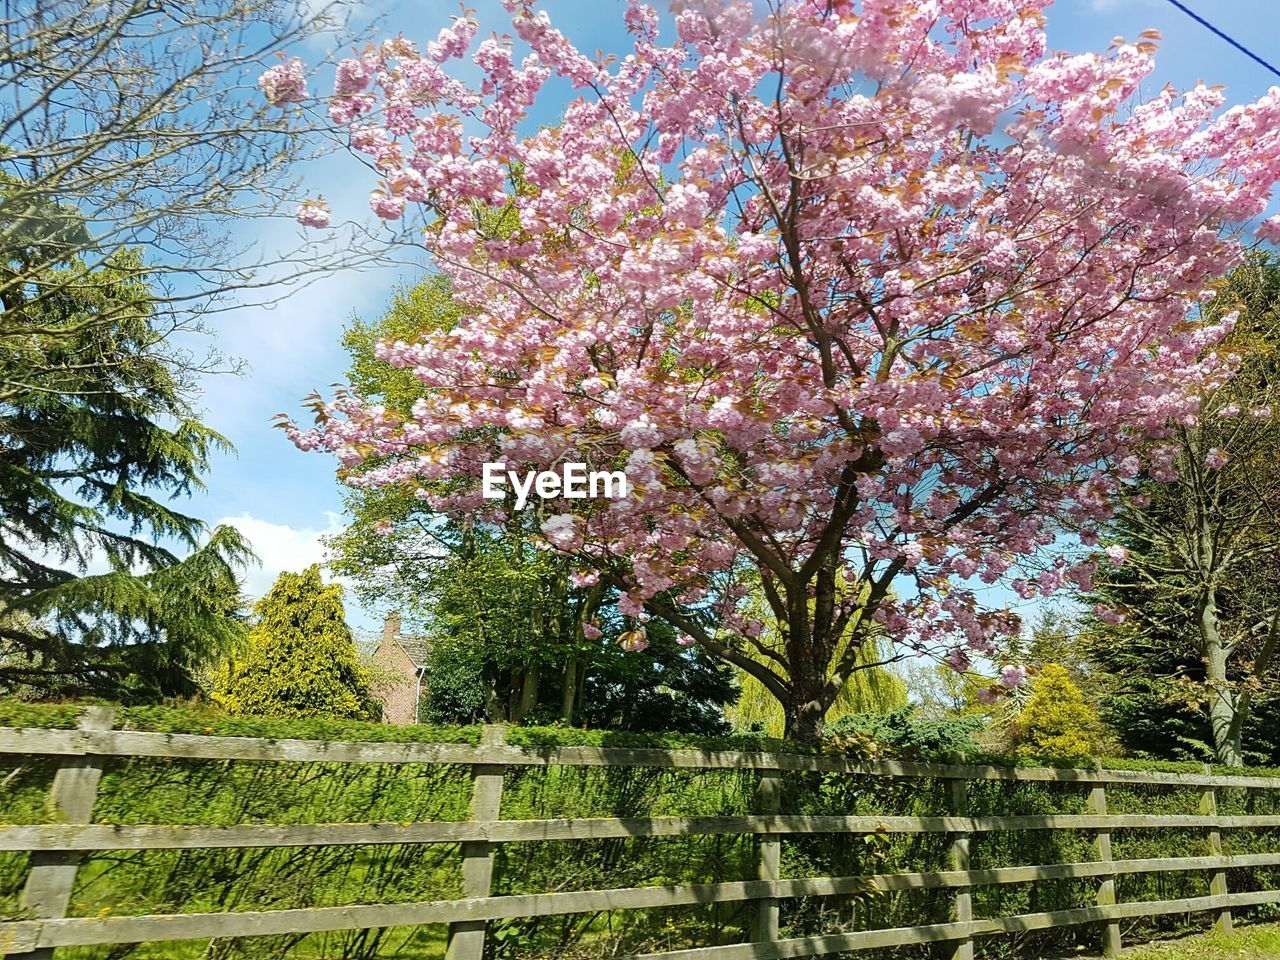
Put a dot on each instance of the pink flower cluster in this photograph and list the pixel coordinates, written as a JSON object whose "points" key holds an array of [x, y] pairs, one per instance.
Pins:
{"points": [[634, 641], [285, 82], [884, 285], [313, 213]]}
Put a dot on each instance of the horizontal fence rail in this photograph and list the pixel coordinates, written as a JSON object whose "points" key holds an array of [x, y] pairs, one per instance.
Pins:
{"points": [[129, 743], [147, 837], [83, 748]]}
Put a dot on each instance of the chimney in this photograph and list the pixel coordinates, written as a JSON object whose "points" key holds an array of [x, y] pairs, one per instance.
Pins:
{"points": [[391, 626]]}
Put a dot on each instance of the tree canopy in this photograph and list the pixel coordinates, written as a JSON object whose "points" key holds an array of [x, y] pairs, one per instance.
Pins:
{"points": [[513, 635], [866, 291], [146, 119]]}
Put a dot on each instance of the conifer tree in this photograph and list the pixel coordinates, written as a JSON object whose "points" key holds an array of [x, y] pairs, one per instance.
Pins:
{"points": [[1057, 721], [97, 438], [300, 659]]}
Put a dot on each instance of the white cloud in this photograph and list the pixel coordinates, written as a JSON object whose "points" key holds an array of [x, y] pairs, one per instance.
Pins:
{"points": [[280, 547]]}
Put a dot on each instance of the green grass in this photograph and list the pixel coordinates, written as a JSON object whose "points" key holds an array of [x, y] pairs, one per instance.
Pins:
{"points": [[405, 943], [1259, 942]]}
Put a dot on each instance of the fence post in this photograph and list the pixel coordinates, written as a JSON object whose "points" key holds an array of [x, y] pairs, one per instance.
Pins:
{"points": [[1217, 879], [1112, 941], [765, 922], [958, 805], [466, 937], [52, 876]]}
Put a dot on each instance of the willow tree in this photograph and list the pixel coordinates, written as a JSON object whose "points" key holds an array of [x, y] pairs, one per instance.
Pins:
{"points": [[876, 689]]}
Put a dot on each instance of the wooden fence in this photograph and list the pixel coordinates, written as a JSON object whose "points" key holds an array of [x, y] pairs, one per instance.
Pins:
{"points": [[56, 848]]}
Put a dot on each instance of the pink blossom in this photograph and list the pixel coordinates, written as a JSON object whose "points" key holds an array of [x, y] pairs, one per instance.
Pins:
{"points": [[385, 205], [1117, 555], [352, 76], [630, 605], [285, 82], [591, 630], [634, 641], [724, 319], [684, 640], [313, 213], [1269, 230], [1012, 676], [1107, 614], [562, 531], [1215, 459]]}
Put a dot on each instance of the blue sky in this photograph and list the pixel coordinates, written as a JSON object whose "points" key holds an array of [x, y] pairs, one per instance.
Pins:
{"points": [[284, 500]]}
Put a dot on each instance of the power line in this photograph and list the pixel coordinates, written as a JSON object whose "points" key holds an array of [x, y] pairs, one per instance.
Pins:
{"points": [[1216, 32]]}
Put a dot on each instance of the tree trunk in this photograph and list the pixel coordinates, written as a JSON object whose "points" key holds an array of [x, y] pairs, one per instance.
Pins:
{"points": [[528, 694], [495, 702], [570, 691], [809, 649], [806, 713], [805, 723], [1223, 700]]}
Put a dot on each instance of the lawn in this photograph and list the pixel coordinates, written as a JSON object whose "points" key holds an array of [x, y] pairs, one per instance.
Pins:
{"points": [[1260, 942]]}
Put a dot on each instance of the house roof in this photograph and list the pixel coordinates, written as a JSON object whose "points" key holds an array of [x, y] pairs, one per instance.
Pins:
{"points": [[417, 648]]}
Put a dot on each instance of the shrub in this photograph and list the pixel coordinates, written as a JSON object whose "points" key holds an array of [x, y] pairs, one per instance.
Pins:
{"points": [[1056, 721]]}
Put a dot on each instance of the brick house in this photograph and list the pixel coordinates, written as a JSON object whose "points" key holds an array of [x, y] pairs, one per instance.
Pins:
{"points": [[400, 672]]}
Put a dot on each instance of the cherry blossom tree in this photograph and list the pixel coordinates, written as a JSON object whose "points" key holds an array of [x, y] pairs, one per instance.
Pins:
{"points": [[872, 298]]}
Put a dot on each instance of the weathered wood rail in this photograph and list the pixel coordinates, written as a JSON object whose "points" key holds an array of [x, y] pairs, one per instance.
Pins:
{"points": [[57, 847]]}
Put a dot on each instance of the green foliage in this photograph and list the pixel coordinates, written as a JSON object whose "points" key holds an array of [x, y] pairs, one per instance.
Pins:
{"points": [[414, 310], [664, 688], [873, 689], [910, 733], [456, 692], [53, 716], [1056, 721], [98, 436], [299, 658], [213, 721]]}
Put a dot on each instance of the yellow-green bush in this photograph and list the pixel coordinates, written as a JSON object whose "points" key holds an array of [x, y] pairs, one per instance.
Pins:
{"points": [[1056, 721]]}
